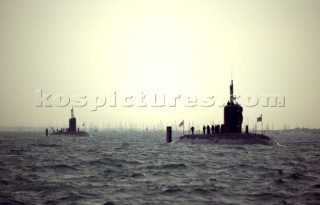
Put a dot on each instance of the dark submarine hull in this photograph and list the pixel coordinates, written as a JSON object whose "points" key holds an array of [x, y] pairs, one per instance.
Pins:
{"points": [[226, 139], [71, 134]]}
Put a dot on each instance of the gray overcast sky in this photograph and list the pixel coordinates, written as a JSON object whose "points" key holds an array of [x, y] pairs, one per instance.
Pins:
{"points": [[171, 48]]}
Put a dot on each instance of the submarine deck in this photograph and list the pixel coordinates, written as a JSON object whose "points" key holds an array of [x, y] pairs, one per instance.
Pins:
{"points": [[71, 134], [226, 138]]}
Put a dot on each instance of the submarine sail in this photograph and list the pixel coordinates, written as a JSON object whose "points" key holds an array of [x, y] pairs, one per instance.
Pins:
{"points": [[233, 114], [72, 122]]}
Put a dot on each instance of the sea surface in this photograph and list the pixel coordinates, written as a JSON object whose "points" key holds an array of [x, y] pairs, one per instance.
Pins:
{"points": [[135, 167]]}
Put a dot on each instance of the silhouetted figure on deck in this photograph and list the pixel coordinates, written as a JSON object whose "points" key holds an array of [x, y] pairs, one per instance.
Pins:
{"points": [[208, 129], [217, 129], [192, 130], [223, 128], [212, 129], [204, 129]]}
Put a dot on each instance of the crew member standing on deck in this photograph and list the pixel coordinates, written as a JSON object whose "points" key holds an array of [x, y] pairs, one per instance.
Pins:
{"points": [[204, 129], [208, 129], [192, 130]]}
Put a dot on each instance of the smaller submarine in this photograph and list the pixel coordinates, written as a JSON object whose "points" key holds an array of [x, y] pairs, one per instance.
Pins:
{"points": [[71, 131], [228, 133]]}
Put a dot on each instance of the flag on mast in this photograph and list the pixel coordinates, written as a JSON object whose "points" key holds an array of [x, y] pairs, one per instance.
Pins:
{"points": [[259, 119], [181, 123]]}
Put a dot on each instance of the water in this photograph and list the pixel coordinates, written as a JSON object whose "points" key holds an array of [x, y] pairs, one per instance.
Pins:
{"points": [[140, 168]]}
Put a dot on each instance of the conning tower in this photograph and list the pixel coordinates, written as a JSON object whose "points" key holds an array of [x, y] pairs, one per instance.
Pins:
{"points": [[72, 122], [232, 114]]}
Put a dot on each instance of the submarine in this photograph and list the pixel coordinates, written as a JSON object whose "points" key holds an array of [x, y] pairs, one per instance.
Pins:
{"points": [[228, 133], [71, 131]]}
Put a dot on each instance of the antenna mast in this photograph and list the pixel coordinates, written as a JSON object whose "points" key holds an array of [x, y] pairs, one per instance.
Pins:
{"points": [[231, 88], [72, 114]]}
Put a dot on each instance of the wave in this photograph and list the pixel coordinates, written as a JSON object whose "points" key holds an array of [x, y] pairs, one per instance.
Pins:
{"points": [[279, 181], [297, 176], [7, 199], [174, 166], [168, 166], [71, 196], [60, 168], [199, 190], [105, 161], [131, 162], [47, 145], [268, 196], [317, 186], [5, 182], [137, 175], [109, 203], [172, 190], [108, 172]]}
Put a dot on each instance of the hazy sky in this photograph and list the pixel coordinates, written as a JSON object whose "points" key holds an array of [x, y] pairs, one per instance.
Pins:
{"points": [[187, 48]]}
